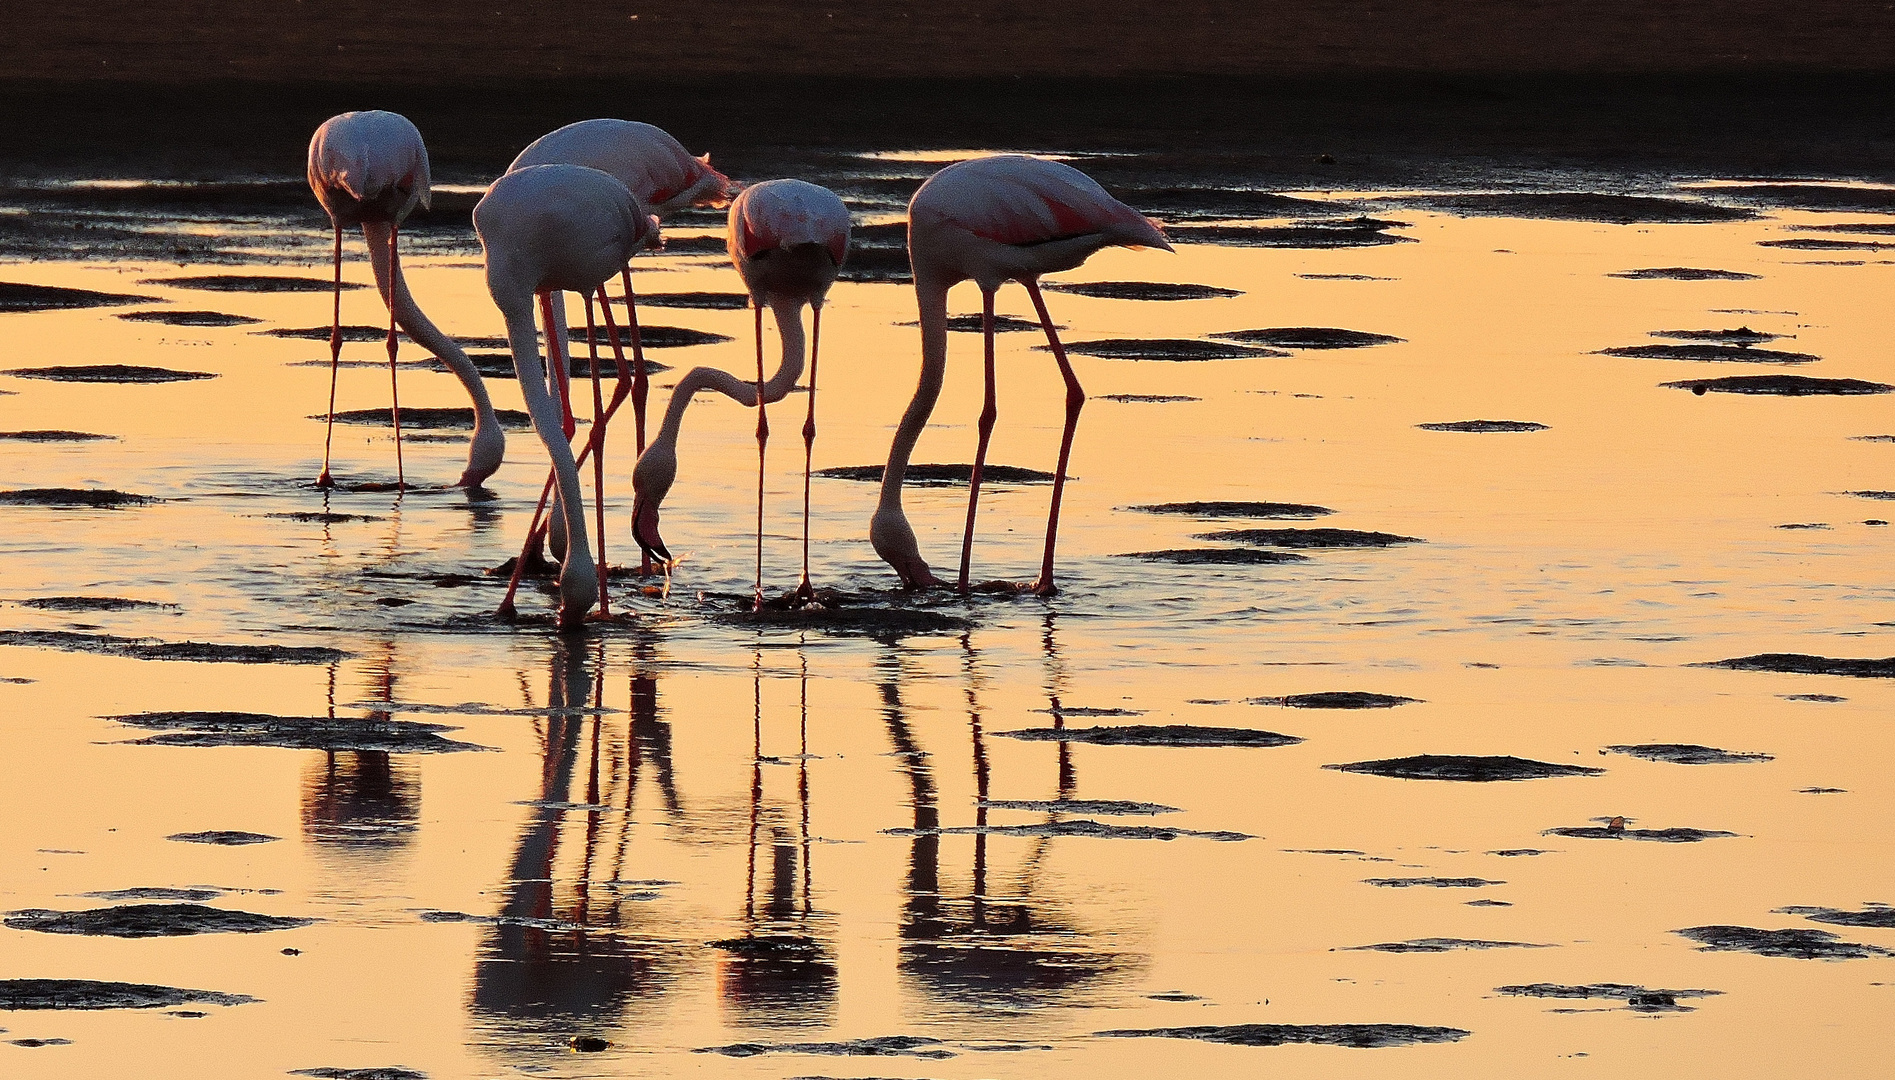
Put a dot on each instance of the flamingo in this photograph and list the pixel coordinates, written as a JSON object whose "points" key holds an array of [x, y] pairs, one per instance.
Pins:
{"points": [[788, 239], [550, 228], [1007, 217], [665, 177], [371, 169]]}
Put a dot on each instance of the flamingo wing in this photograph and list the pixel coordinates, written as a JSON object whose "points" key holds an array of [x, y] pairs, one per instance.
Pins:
{"points": [[646, 159], [369, 154], [1017, 199]]}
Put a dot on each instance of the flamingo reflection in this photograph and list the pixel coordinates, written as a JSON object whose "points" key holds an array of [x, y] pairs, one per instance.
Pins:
{"points": [[362, 802]]}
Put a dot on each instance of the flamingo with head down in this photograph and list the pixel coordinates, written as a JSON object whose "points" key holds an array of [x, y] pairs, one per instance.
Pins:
{"points": [[788, 239], [1008, 217], [545, 229], [370, 169]]}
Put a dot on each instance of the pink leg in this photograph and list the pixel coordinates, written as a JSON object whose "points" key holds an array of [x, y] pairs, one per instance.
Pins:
{"points": [[597, 443], [804, 591], [394, 383], [1075, 400], [533, 534], [556, 366], [987, 414], [763, 436], [640, 386], [324, 480]]}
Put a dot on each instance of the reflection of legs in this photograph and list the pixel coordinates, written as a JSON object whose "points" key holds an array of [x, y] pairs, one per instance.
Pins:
{"points": [[597, 446], [763, 437], [1075, 400], [987, 414], [335, 363], [805, 591], [394, 384]]}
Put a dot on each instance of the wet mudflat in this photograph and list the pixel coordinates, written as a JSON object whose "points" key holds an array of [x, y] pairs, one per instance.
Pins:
{"points": [[1440, 697]]}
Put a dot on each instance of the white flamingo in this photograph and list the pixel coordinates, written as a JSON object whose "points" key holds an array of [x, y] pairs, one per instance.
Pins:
{"points": [[370, 169], [995, 219], [546, 229], [788, 239]]}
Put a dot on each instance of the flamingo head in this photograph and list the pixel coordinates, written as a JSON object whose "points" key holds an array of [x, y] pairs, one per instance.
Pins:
{"points": [[894, 540], [651, 482], [485, 451]]}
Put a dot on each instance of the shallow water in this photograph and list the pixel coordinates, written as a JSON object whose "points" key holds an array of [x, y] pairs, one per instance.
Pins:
{"points": [[686, 832]]}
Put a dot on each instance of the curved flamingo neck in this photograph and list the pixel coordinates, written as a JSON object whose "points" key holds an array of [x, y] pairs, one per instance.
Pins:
{"points": [[931, 299], [419, 327], [789, 323]]}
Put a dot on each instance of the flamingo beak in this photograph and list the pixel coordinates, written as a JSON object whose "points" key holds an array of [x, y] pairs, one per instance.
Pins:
{"points": [[645, 532]]}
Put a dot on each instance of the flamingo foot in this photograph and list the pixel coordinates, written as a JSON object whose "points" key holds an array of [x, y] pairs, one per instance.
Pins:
{"points": [[325, 480]]}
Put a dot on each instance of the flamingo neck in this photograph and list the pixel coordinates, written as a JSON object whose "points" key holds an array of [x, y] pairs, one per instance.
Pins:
{"points": [[789, 322], [931, 299]]}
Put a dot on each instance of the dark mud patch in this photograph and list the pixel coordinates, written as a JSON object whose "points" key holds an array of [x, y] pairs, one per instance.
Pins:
{"points": [[1155, 735], [1216, 556], [150, 920], [37, 994], [376, 1073], [1441, 945], [1884, 496], [1638, 998], [1483, 427], [148, 649], [1781, 386], [1309, 337], [251, 283], [107, 373], [1345, 277], [1803, 664], [881, 1046], [1081, 806], [971, 324], [1146, 399], [155, 893], [425, 419], [1579, 206], [1430, 882], [1516, 853], [1620, 832], [292, 732], [1142, 290], [1360, 1036], [320, 517], [1794, 944], [1311, 538], [92, 603], [1687, 754], [942, 475], [96, 498], [1233, 509], [875, 622], [1314, 235], [357, 333], [18, 297], [1335, 699], [1879, 916], [1812, 244], [655, 336], [1183, 350], [1463, 768], [702, 301], [1683, 273], [1811, 197], [1822, 791], [223, 838], [1078, 827], [35, 1043], [1488, 903], [1737, 354], [190, 318], [499, 365], [1827, 699], [53, 436], [1743, 335]]}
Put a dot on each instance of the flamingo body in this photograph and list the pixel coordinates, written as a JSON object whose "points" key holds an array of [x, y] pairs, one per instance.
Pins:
{"points": [[1007, 217], [646, 159], [788, 239], [556, 228], [368, 166]]}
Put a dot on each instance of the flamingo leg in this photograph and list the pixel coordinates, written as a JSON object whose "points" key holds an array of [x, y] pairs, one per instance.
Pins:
{"points": [[988, 412], [324, 480], [640, 385], [598, 459], [394, 382], [805, 591], [1075, 400], [533, 534], [763, 437]]}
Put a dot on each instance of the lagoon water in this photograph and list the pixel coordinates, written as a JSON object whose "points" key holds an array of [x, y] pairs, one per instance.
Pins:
{"points": [[725, 848]]}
